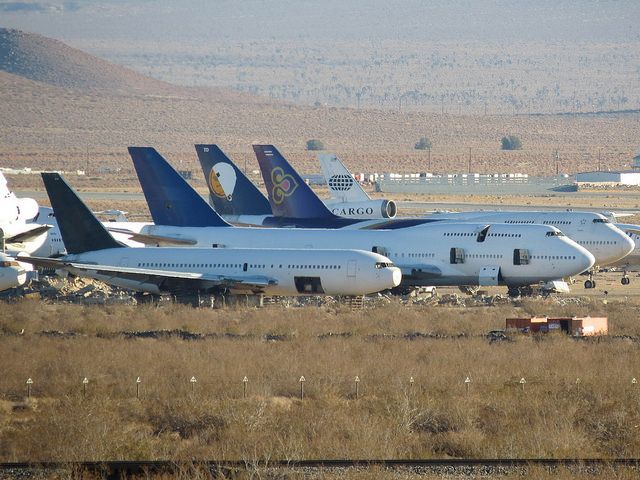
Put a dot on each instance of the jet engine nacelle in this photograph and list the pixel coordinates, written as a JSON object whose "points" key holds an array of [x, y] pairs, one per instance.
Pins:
{"points": [[368, 209], [17, 210], [12, 273]]}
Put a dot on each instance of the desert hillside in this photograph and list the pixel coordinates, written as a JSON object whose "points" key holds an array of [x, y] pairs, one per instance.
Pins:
{"points": [[64, 109], [52, 62]]}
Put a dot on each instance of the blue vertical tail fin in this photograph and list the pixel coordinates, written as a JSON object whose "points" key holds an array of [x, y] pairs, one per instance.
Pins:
{"points": [[289, 195], [172, 201], [81, 231], [230, 191]]}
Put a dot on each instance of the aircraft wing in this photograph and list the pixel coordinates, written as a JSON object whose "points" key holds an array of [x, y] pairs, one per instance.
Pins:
{"points": [[159, 240], [161, 278], [614, 215], [28, 235]]}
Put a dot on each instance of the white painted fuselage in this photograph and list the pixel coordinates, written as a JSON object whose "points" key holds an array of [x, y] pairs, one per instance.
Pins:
{"points": [[424, 253], [284, 271], [593, 231]]}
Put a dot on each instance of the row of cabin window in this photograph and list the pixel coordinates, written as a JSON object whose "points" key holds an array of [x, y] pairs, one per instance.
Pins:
{"points": [[539, 257], [599, 242], [197, 265], [546, 222], [463, 234], [317, 267], [233, 265]]}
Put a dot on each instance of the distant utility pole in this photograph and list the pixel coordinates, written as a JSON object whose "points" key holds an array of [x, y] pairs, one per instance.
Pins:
{"points": [[429, 157], [469, 160], [599, 159], [557, 163]]}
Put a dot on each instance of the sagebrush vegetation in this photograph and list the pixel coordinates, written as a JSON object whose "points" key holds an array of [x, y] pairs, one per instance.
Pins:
{"points": [[553, 416]]}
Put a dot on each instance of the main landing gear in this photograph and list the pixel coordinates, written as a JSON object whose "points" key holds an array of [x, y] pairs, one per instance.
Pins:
{"points": [[591, 283]]}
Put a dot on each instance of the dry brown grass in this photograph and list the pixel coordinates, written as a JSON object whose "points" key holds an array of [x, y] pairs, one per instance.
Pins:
{"points": [[553, 417]]}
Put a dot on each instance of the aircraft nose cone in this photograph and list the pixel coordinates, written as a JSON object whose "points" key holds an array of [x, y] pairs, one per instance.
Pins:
{"points": [[396, 276], [627, 245], [585, 259]]}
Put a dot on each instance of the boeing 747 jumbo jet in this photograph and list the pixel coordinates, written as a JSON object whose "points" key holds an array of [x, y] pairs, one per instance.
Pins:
{"points": [[93, 252], [593, 231], [440, 253]]}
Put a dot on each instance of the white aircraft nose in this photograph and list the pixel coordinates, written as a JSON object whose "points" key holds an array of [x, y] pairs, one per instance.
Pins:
{"points": [[584, 259], [627, 245], [396, 277]]}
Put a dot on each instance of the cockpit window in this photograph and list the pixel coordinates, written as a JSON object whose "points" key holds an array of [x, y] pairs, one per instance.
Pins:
{"points": [[555, 233], [601, 220], [384, 264]]}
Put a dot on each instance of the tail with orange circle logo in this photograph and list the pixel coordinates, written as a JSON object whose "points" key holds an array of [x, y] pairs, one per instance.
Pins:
{"points": [[230, 191]]}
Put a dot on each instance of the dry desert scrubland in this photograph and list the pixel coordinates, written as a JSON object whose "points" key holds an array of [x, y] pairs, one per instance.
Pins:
{"points": [[63, 109], [554, 415]]}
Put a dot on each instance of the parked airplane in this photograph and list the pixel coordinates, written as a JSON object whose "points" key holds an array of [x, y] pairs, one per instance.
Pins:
{"points": [[348, 198], [442, 253], [593, 231], [13, 209], [12, 273], [633, 259], [608, 243], [93, 252], [20, 229]]}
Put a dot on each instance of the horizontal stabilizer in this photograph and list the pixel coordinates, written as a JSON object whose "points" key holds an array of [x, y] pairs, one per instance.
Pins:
{"points": [[28, 235], [155, 240]]}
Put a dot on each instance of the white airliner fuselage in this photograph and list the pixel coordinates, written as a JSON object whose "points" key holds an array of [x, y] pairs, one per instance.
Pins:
{"points": [[249, 270], [593, 231], [440, 254]]}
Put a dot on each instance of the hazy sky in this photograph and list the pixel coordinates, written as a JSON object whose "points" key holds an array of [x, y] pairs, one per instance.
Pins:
{"points": [[195, 21]]}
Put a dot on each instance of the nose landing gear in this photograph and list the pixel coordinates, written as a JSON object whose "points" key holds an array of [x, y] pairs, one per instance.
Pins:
{"points": [[590, 283], [625, 280]]}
